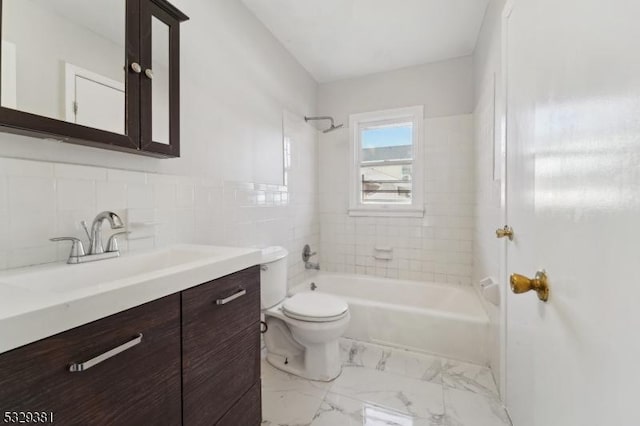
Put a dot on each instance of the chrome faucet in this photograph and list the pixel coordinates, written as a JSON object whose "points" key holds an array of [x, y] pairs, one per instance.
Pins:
{"points": [[306, 255], [95, 239], [96, 249]]}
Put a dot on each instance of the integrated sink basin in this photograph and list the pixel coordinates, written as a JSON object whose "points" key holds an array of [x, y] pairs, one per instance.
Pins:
{"points": [[110, 273], [41, 301]]}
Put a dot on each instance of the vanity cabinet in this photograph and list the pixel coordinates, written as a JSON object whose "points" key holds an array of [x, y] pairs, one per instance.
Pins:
{"points": [[111, 79], [190, 358]]}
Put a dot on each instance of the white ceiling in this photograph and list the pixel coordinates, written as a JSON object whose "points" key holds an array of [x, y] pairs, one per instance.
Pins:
{"points": [[336, 39]]}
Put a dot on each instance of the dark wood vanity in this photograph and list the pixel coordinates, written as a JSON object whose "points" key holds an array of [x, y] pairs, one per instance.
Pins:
{"points": [[127, 72], [191, 358]]}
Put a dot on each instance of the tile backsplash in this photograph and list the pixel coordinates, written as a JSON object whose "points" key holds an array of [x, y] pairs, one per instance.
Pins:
{"points": [[40, 200]]}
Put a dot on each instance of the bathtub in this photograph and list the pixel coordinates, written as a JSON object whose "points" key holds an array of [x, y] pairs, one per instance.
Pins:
{"points": [[441, 319]]}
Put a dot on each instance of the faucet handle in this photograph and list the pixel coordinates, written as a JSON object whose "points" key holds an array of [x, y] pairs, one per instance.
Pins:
{"points": [[77, 249], [112, 244], [307, 253], [86, 230]]}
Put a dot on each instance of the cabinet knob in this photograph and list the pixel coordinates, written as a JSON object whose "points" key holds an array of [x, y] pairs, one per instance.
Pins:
{"points": [[135, 67], [149, 73]]}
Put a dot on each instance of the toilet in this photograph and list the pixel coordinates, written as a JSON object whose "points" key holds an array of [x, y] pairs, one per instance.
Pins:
{"points": [[302, 330]]}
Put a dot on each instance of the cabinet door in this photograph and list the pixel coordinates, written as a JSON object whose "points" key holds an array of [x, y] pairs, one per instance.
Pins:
{"points": [[220, 345], [160, 85], [138, 385]]}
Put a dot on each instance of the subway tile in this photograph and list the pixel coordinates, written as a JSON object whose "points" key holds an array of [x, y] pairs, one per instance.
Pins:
{"points": [[139, 196], [165, 195], [25, 168], [74, 171], [4, 231], [30, 194], [20, 257], [111, 196], [75, 194], [4, 194], [141, 244], [31, 229], [4, 259], [114, 175], [185, 196]]}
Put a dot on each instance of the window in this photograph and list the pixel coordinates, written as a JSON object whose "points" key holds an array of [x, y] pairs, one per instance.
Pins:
{"points": [[386, 163]]}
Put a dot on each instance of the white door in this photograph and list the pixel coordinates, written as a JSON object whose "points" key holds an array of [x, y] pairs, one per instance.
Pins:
{"points": [[99, 106], [573, 200], [94, 100]]}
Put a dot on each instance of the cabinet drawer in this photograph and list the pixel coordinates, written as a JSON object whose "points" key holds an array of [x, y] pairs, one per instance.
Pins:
{"points": [[213, 380], [215, 311], [247, 411], [139, 384]]}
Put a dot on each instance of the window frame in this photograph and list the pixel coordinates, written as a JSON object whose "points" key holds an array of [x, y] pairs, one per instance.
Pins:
{"points": [[415, 115]]}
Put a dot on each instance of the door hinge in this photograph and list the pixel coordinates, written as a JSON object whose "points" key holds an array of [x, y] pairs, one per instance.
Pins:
{"points": [[75, 108]]}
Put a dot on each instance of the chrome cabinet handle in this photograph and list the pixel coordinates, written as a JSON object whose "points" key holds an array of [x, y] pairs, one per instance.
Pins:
{"points": [[135, 67], [82, 366], [231, 298], [149, 73]]}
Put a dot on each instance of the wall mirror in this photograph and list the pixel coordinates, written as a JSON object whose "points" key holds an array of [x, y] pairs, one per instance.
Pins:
{"points": [[65, 59]]}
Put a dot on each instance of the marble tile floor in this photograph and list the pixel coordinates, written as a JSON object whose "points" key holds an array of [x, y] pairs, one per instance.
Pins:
{"points": [[384, 386]]}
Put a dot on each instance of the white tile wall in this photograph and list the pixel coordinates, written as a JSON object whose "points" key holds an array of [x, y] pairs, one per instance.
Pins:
{"points": [[40, 200], [437, 247]]}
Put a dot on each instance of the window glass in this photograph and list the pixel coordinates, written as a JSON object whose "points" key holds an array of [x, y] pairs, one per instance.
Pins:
{"points": [[386, 161]]}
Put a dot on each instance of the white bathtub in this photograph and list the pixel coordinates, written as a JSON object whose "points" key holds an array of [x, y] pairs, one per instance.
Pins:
{"points": [[441, 319]]}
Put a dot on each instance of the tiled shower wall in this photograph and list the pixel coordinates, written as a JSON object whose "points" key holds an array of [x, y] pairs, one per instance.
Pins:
{"points": [[437, 247], [40, 200]]}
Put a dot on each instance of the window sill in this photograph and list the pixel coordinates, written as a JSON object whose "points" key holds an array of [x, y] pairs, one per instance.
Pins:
{"points": [[385, 212]]}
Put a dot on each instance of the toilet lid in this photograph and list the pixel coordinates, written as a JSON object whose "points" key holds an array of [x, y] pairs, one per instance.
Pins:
{"points": [[314, 305]]}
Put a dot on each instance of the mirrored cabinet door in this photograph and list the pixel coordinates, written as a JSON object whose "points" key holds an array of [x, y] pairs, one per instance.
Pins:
{"points": [[66, 69], [95, 72], [160, 44]]}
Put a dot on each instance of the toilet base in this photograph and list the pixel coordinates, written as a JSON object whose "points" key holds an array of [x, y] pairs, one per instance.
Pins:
{"points": [[295, 365], [291, 352]]}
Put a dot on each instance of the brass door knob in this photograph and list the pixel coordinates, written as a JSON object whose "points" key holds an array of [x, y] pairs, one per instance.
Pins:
{"points": [[522, 284], [507, 231]]}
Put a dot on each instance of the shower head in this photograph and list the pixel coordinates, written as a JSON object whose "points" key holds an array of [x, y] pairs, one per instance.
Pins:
{"points": [[331, 128]]}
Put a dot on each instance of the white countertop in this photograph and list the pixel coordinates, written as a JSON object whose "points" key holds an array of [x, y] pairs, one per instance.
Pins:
{"points": [[41, 301]]}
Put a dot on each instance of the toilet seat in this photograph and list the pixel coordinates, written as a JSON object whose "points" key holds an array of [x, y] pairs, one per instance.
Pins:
{"points": [[315, 307]]}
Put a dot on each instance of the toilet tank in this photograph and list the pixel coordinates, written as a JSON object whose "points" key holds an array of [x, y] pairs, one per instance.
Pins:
{"points": [[273, 276]]}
